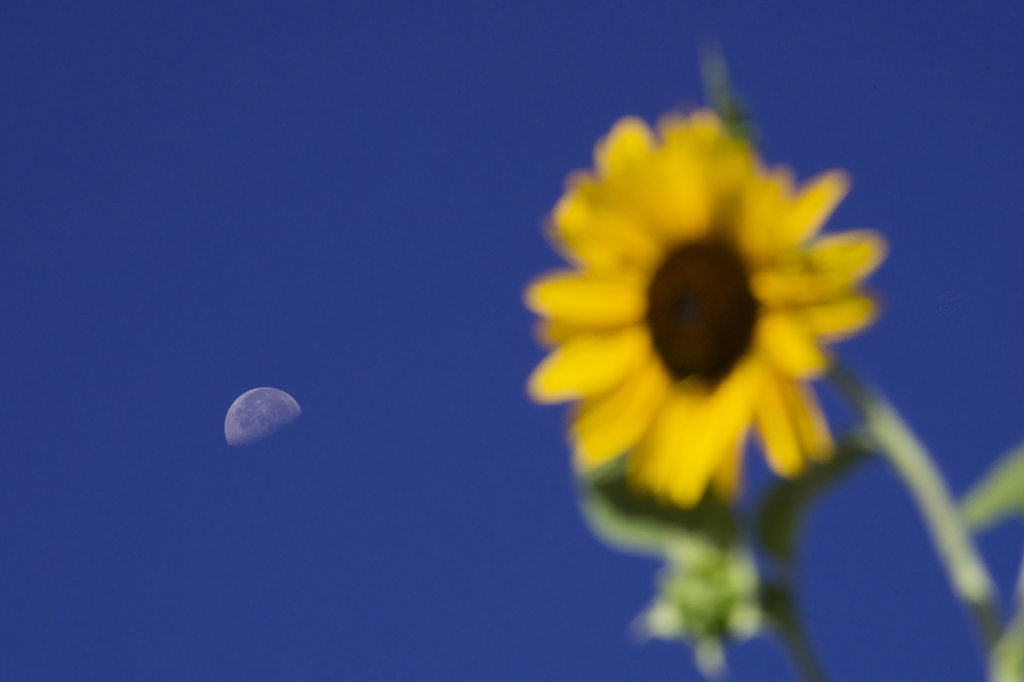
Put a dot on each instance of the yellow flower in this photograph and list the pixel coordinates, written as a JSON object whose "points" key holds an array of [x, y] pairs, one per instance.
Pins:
{"points": [[698, 300]]}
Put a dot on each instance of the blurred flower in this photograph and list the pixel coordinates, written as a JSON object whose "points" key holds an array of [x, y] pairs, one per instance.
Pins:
{"points": [[695, 307], [707, 596]]}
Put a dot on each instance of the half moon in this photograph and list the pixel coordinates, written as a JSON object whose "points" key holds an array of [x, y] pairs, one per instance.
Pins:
{"points": [[258, 413]]}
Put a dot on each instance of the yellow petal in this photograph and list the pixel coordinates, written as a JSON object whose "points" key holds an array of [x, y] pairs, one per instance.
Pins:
{"points": [[669, 197], [791, 425], [847, 257], [697, 427], [774, 288], [728, 478], [779, 438], [702, 128], [811, 426], [588, 300], [676, 198], [839, 318], [790, 346], [607, 426], [626, 147], [762, 207], [815, 202], [830, 268], [589, 364], [598, 235], [669, 462], [549, 333], [725, 163]]}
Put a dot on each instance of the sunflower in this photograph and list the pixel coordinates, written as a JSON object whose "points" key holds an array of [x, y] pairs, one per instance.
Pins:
{"points": [[696, 307]]}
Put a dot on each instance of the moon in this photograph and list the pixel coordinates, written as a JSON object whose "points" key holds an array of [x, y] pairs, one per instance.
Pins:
{"points": [[258, 413]]}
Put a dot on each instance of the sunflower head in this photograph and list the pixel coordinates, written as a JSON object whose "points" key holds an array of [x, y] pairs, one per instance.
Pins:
{"points": [[696, 307]]}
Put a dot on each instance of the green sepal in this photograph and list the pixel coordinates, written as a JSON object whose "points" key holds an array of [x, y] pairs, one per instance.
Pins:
{"points": [[999, 494], [726, 102], [783, 508], [635, 522]]}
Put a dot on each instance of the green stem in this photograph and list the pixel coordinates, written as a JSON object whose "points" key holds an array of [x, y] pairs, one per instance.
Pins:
{"points": [[777, 601], [1018, 591], [967, 572], [1006, 664], [803, 656]]}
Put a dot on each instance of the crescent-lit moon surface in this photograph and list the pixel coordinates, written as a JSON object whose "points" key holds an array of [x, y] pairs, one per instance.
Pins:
{"points": [[258, 413]]}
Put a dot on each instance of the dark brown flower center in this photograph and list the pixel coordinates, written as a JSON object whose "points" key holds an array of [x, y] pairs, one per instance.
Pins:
{"points": [[701, 311]]}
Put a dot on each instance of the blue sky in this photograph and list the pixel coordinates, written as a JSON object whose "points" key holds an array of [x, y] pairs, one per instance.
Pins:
{"points": [[344, 201]]}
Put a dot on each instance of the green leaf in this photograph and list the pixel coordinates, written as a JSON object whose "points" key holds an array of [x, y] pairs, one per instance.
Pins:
{"points": [[783, 508], [635, 522], [999, 494], [1008, 654]]}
